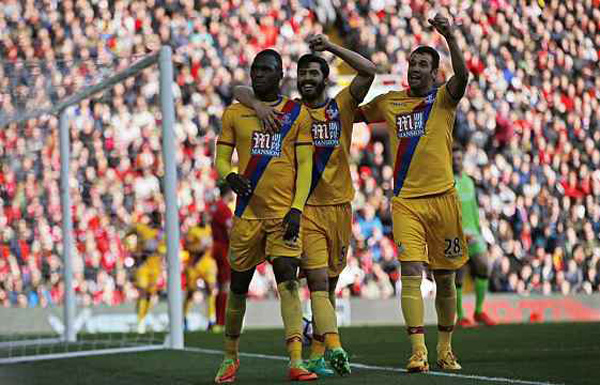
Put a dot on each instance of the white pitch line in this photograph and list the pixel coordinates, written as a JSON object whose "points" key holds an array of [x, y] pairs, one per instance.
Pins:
{"points": [[89, 353], [388, 369]]}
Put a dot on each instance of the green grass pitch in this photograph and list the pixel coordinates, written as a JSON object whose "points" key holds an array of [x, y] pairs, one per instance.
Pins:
{"points": [[506, 354]]}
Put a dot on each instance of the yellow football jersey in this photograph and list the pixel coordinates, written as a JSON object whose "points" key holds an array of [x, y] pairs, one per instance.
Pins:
{"points": [[267, 160], [148, 244], [145, 235], [420, 129], [331, 131], [198, 239]]}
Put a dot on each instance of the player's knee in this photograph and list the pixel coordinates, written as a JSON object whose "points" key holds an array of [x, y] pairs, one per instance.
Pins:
{"points": [[240, 281], [459, 278], [285, 269], [239, 288], [411, 269], [317, 279], [444, 281], [482, 267]]}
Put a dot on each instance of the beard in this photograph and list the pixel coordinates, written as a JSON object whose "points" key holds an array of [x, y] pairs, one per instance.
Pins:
{"points": [[315, 93]]}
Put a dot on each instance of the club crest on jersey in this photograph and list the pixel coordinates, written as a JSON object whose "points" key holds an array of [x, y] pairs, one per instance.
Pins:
{"points": [[326, 134], [264, 143], [411, 124], [331, 113]]}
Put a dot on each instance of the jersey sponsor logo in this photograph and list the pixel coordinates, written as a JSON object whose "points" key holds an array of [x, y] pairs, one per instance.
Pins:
{"points": [[326, 134], [410, 125], [264, 143]]}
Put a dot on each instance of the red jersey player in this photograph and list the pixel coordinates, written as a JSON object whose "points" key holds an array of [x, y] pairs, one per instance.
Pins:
{"points": [[221, 220]]}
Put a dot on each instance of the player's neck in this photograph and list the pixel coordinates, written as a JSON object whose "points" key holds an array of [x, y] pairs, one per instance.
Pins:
{"points": [[269, 97], [419, 92], [316, 102]]}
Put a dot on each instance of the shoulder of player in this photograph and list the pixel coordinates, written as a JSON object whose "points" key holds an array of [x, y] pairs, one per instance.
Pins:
{"points": [[238, 108], [390, 96]]}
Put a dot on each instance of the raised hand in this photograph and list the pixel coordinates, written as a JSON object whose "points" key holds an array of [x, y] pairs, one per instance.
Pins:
{"points": [[442, 25], [239, 184], [318, 43]]}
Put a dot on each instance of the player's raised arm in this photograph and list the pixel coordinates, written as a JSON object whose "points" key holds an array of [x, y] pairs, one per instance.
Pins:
{"points": [[366, 69], [268, 115], [458, 82]]}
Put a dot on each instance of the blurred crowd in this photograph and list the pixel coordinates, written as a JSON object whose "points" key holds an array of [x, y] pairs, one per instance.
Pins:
{"points": [[530, 126]]}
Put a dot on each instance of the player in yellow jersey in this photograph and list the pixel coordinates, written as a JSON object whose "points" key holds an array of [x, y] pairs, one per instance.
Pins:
{"points": [[143, 241], [272, 188], [426, 210], [327, 220], [200, 265]]}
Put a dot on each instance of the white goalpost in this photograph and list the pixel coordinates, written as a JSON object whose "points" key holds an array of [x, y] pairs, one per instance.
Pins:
{"points": [[69, 335]]}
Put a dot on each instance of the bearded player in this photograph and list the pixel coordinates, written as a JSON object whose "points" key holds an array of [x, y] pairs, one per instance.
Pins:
{"points": [[327, 221], [426, 209]]}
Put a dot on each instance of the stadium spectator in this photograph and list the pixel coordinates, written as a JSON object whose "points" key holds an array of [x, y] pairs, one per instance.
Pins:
{"points": [[530, 124]]}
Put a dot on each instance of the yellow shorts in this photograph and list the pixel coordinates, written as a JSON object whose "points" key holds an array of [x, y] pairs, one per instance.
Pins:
{"points": [[253, 240], [205, 269], [326, 234], [147, 275], [429, 229]]}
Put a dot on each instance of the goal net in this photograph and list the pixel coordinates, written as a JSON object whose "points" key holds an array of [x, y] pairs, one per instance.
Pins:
{"points": [[88, 152]]}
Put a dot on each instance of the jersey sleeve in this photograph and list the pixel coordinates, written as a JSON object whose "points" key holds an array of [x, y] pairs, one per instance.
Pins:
{"points": [[445, 99], [345, 100], [227, 135], [371, 112], [304, 123]]}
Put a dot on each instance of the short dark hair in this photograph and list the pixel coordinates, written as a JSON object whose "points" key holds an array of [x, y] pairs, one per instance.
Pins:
{"points": [[308, 58], [270, 52], [435, 56]]}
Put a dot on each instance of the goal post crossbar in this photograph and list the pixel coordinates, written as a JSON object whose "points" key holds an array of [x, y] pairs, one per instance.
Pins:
{"points": [[87, 92]]}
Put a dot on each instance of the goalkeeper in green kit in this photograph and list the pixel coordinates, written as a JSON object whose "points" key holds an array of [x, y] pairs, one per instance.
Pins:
{"points": [[478, 256]]}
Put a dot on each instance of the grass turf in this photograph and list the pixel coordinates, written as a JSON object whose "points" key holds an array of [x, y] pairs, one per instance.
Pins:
{"points": [[553, 353]]}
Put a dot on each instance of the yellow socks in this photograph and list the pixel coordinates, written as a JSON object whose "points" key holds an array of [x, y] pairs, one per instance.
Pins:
{"points": [[323, 313], [332, 298], [187, 305], [291, 313], [234, 319], [412, 308], [445, 304], [332, 341], [294, 347], [212, 308], [317, 347], [234, 316], [232, 347], [142, 307]]}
